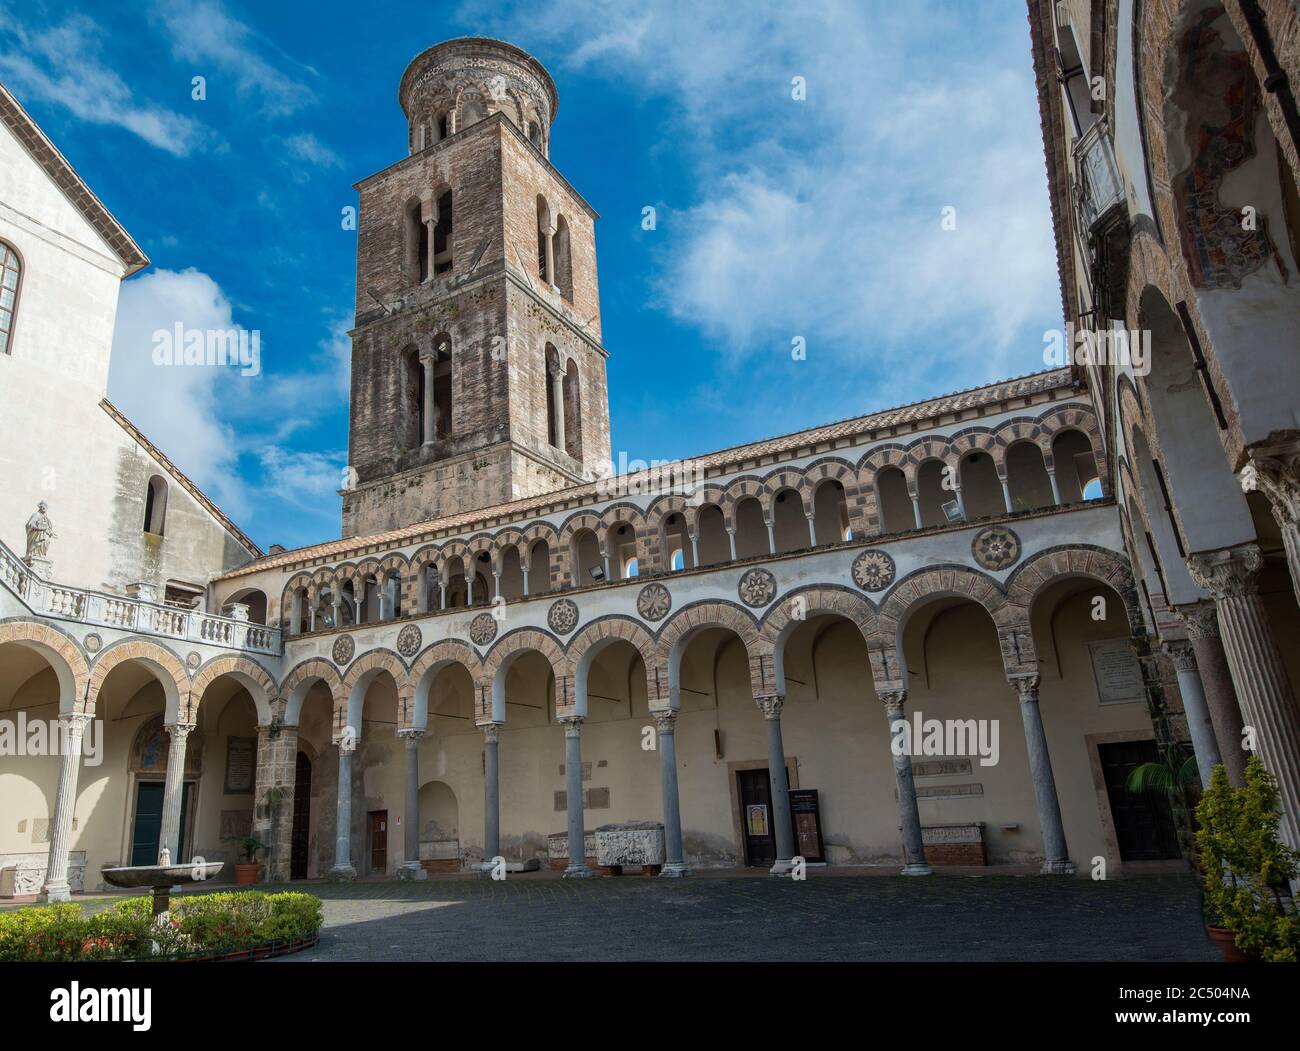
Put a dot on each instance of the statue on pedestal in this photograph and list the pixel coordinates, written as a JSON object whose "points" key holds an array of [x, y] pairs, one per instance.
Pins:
{"points": [[39, 534]]}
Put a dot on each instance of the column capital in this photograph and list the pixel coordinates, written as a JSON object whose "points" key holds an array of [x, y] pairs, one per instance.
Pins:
{"points": [[1274, 470], [770, 706], [1181, 653], [572, 725], [491, 732], [554, 371], [76, 721], [1201, 620], [893, 700], [1227, 573], [179, 731], [411, 734], [1026, 686], [665, 720]]}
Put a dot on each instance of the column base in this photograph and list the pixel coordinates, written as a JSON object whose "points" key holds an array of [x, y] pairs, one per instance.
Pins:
{"points": [[1064, 867], [411, 870], [674, 870], [917, 870], [55, 892], [781, 867], [342, 874], [578, 872]]}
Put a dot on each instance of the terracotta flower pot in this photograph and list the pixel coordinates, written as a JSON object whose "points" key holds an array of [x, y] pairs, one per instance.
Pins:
{"points": [[246, 874], [1226, 942]]}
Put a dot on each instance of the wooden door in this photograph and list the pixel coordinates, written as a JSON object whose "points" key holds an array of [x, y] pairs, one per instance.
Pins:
{"points": [[146, 826], [378, 841], [1144, 824], [299, 837], [755, 791]]}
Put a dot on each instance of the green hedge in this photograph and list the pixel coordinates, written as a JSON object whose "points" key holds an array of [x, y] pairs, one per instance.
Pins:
{"points": [[196, 925]]}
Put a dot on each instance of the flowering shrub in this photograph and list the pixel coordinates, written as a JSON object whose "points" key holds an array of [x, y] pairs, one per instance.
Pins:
{"points": [[127, 930]]}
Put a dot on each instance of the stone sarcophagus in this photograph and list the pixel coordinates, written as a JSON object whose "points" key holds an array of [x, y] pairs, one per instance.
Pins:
{"points": [[635, 844], [23, 875], [557, 849], [955, 844]]}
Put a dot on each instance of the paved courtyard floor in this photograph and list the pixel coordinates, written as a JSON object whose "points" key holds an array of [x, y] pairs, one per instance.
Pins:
{"points": [[845, 918]]}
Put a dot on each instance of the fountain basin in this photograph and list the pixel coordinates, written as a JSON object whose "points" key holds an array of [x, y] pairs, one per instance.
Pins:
{"points": [[161, 878]]}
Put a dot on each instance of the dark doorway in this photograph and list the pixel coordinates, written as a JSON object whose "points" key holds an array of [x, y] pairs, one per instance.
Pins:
{"points": [[756, 822], [378, 839], [298, 837], [1144, 825], [146, 829]]}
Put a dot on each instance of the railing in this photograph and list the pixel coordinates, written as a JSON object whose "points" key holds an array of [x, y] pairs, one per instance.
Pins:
{"points": [[128, 614], [1099, 190]]}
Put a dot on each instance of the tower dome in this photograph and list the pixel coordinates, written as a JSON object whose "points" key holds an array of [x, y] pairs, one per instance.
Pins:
{"points": [[459, 82]]}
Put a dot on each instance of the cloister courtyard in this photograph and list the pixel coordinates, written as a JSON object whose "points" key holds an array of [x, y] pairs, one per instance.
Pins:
{"points": [[732, 916]]}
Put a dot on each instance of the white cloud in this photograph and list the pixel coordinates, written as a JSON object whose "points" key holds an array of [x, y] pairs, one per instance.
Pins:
{"points": [[60, 64], [202, 33], [821, 218], [179, 407], [307, 148]]}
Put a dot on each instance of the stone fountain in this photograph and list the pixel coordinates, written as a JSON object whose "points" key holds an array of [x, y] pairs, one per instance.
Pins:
{"points": [[162, 878]]}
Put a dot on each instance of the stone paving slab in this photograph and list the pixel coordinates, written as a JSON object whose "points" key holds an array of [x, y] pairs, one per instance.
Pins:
{"points": [[850, 918]]}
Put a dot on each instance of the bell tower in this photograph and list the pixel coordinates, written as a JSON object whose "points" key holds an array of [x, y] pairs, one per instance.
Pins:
{"points": [[478, 372]]}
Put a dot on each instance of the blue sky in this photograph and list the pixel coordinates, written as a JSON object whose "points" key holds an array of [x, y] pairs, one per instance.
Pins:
{"points": [[778, 219]]}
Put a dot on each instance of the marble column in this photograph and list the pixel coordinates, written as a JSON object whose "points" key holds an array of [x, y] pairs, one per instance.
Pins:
{"points": [[429, 408], [1006, 494], [666, 742], [548, 236], [1268, 705], [916, 509], [1274, 470], [771, 709], [169, 836], [695, 550], [491, 794], [771, 538], [573, 793], [431, 225], [410, 867], [909, 812], [557, 402], [1202, 622], [961, 500], [812, 529], [343, 870], [1195, 707], [72, 727], [731, 539], [1056, 856], [1056, 489]]}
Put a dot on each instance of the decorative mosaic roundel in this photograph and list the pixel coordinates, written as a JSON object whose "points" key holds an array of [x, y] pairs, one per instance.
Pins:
{"points": [[482, 629], [194, 660], [874, 570], [996, 547], [757, 588], [408, 641], [344, 647], [563, 616], [654, 602], [94, 643]]}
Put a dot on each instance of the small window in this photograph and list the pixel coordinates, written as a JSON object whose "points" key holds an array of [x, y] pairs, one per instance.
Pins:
{"points": [[442, 127], [630, 568], [677, 560], [1092, 491], [534, 134], [155, 506], [10, 272]]}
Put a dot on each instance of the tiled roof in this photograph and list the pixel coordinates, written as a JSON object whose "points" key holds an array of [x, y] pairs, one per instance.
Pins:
{"points": [[181, 478], [958, 401], [47, 155]]}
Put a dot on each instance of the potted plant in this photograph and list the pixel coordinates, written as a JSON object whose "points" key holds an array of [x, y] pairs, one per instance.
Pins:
{"points": [[248, 867], [1246, 868]]}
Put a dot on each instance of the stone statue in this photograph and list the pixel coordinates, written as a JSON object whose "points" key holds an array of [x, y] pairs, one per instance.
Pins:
{"points": [[39, 533]]}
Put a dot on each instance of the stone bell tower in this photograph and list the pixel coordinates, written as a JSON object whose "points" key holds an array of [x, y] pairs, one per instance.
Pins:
{"points": [[478, 373]]}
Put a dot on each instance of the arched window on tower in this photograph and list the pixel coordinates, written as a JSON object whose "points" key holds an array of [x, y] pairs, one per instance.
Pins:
{"points": [[572, 411], [439, 127], [534, 133], [550, 370], [442, 235], [155, 506], [563, 255], [11, 269], [545, 243], [417, 242]]}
